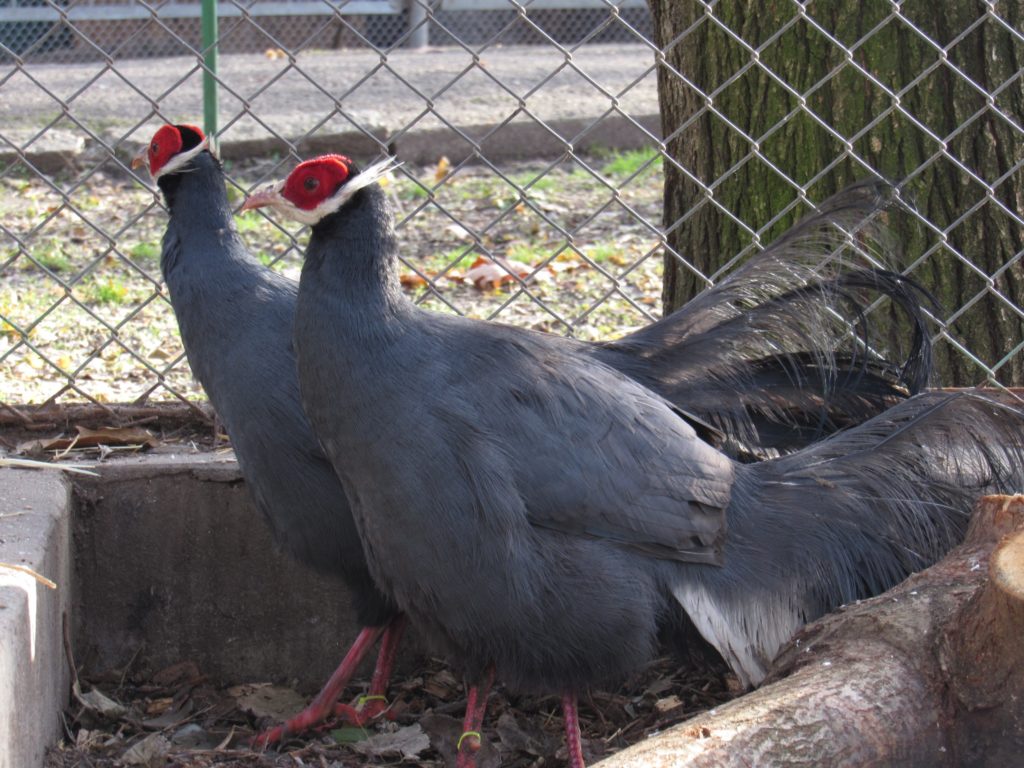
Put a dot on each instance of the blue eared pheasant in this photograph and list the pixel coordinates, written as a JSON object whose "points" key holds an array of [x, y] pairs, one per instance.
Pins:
{"points": [[761, 356], [543, 515]]}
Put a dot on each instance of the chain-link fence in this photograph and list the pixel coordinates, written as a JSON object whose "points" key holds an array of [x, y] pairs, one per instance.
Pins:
{"points": [[36, 31], [530, 135]]}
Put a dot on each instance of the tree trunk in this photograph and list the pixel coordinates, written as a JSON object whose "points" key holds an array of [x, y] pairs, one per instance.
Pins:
{"points": [[928, 674], [741, 146]]}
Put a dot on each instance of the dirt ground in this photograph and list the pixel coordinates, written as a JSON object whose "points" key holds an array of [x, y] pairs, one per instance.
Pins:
{"points": [[178, 718], [84, 316]]}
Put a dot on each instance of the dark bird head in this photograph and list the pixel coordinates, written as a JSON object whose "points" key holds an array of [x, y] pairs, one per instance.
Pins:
{"points": [[317, 188], [171, 149]]}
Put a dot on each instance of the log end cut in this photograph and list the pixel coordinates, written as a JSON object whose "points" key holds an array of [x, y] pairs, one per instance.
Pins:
{"points": [[1007, 569]]}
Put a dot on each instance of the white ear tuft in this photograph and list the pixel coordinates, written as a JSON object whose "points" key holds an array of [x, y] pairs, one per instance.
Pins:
{"points": [[371, 175]]}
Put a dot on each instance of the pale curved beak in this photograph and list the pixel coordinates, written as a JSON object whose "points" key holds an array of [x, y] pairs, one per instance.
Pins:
{"points": [[260, 198], [140, 159]]}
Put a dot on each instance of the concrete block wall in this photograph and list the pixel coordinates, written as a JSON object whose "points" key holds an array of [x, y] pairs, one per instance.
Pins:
{"points": [[158, 560], [174, 563], [35, 510]]}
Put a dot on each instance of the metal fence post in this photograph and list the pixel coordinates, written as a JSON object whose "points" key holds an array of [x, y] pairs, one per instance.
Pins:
{"points": [[209, 32], [420, 29]]}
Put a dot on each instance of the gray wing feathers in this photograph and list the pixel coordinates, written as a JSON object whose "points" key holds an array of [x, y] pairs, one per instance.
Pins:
{"points": [[595, 454]]}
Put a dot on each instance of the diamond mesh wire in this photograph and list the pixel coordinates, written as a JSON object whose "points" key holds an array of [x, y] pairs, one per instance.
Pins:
{"points": [[530, 131]]}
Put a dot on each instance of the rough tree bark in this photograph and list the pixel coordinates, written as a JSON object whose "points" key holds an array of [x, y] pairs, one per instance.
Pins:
{"points": [[928, 674], [761, 134]]}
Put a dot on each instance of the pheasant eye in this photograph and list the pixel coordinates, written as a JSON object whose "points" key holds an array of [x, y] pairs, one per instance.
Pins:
{"points": [[311, 183]]}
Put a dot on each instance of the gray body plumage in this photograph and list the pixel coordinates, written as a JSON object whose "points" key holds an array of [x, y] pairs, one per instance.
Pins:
{"points": [[235, 317], [543, 512]]}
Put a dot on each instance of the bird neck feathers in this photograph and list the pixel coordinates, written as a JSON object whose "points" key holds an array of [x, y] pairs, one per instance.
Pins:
{"points": [[354, 253]]}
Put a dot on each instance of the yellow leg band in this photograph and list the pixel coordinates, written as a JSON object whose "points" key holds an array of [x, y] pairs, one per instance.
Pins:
{"points": [[464, 735]]}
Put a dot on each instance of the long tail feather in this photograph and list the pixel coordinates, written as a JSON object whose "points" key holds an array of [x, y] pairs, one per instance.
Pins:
{"points": [[783, 350], [850, 517]]}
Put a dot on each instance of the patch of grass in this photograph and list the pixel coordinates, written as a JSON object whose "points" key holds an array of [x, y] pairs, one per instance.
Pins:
{"points": [[601, 253], [410, 190], [52, 256], [528, 253], [109, 291], [264, 239], [454, 258], [235, 195], [87, 202], [477, 188], [250, 222], [18, 172], [531, 183], [148, 250], [624, 164]]}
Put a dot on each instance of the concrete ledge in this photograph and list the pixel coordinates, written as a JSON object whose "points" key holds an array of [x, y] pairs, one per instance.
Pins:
{"points": [[174, 563], [34, 677], [164, 559], [518, 140]]}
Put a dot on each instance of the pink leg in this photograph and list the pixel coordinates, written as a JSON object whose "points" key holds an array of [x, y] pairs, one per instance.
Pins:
{"points": [[323, 704], [386, 659], [375, 701], [572, 731], [476, 703]]}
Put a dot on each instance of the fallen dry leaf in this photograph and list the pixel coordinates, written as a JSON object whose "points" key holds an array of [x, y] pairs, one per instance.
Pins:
{"points": [[98, 703], [194, 736], [441, 685], [443, 166], [531, 739], [182, 672], [86, 739], [444, 732], [210, 722], [151, 751], [457, 231], [163, 353], [159, 706], [493, 273], [668, 703], [267, 700], [90, 438], [412, 280], [408, 742], [169, 717]]}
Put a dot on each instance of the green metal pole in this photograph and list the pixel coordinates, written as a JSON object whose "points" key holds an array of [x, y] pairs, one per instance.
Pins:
{"points": [[209, 23]]}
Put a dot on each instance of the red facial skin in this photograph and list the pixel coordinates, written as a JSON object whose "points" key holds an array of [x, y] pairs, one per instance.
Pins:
{"points": [[166, 143], [315, 180]]}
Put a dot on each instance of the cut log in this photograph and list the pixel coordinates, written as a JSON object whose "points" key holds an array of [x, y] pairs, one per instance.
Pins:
{"points": [[983, 656], [931, 673]]}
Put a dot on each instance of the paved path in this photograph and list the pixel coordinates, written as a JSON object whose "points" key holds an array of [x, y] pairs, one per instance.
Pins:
{"points": [[335, 92]]}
